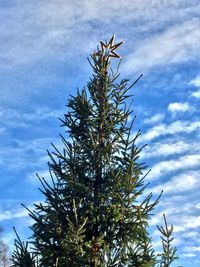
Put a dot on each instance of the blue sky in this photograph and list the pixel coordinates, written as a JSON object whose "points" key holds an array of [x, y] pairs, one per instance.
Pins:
{"points": [[43, 59]]}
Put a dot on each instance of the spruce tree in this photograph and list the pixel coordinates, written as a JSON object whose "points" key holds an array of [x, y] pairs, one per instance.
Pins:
{"points": [[95, 211]]}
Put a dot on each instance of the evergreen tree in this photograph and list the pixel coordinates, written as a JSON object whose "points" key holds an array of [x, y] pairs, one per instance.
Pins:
{"points": [[92, 215], [21, 256]]}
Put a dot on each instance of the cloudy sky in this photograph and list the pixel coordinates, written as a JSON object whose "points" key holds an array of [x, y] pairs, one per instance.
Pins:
{"points": [[44, 47]]}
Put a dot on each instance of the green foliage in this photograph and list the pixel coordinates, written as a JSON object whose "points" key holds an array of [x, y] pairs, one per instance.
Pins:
{"points": [[169, 252], [92, 215], [21, 257]]}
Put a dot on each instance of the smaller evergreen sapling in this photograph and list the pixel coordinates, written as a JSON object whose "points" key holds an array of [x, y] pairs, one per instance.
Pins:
{"points": [[21, 257], [169, 252]]}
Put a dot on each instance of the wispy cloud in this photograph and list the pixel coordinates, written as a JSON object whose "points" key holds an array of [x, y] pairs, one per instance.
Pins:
{"points": [[36, 39], [13, 118], [188, 255], [154, 119], [178, 107], [196, 94], [28, 153], [193, 248], [10, 214], [169, 129], [176, 44], [189, 222], [196, 81], [170, 147], [186, 225], [180, 183], [53, 28], [165, 167]]}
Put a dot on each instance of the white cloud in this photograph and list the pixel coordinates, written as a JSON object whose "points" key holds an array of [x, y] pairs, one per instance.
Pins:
{"points": [[196, 81], [170, 147], [154, 119], [14, 118], [11, 214], [193, 222], [31, 152], [191, 234], [193, 248], [196, 94], [188, 255], [172, 128], [56, 27], [35, 39], [182, 163], [176, 44], [180, 183], [178, 107]]}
